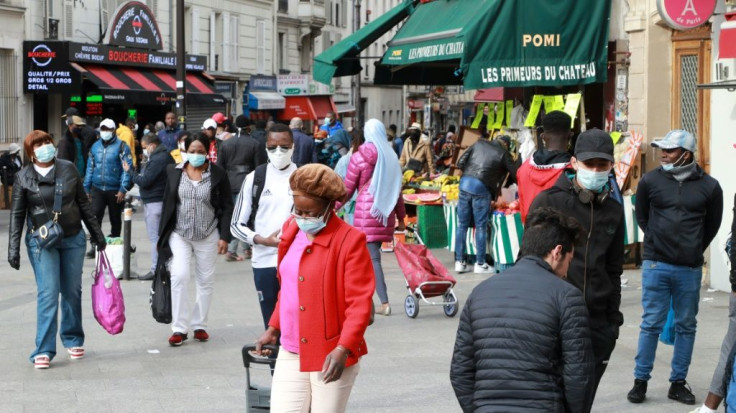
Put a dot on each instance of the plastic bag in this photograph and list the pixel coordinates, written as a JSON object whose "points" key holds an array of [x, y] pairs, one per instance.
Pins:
{"points": [[160, 297], [108, 305]]}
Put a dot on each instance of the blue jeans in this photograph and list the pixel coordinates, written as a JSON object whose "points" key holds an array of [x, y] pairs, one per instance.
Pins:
{"points": [[479, 207], [58, 270], [660, 283]]}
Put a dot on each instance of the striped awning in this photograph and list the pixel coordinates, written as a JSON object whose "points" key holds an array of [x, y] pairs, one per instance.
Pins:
{"points": [[125, 80]]}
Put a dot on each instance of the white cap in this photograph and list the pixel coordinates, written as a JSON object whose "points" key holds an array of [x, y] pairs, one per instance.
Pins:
{"points": [[209, 123], [14, 148], [108, 123]]}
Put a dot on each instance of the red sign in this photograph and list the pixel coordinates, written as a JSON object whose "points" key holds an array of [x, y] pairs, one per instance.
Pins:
{"points": [[685, 14]]}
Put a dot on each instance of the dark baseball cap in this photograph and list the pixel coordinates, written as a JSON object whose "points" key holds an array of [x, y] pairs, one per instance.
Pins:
{"points": [[592, 144], [71, 111]]}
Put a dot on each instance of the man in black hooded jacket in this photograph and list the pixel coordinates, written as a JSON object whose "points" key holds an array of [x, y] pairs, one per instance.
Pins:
{"points": [[582, 193]]}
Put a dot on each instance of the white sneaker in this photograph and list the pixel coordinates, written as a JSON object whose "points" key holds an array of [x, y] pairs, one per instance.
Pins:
{"points": [[482, 269], [461, 266]]}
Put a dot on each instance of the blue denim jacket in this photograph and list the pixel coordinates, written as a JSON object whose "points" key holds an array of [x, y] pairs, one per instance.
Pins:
{"points": [[105, 168]]}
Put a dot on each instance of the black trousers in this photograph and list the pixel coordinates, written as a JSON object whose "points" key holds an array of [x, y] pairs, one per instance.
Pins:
{"points": [[106, 199], [603, 337]]}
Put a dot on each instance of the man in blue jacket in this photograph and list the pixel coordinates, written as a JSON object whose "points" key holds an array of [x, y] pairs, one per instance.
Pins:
{"points": [[170, 134], [679, 207], [152, 182], [105, 181]]}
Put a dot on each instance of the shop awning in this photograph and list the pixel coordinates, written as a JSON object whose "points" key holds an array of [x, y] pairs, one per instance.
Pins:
{"points": [[137, 83], [341, 59], [265, 101], [494, 94], [307, 107], [495, 43]]}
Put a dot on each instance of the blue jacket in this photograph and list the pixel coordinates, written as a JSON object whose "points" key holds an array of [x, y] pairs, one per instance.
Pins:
{"points": [[169, 138], [104, 168], [304, 152], [331, 129], [152, 180]]}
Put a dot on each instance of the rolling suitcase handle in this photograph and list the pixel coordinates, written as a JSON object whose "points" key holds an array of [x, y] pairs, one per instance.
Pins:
{"points": [[249, 358]]}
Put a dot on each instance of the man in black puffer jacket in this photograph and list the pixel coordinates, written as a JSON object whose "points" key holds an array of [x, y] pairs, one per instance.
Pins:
{"points": [[523, 343]]}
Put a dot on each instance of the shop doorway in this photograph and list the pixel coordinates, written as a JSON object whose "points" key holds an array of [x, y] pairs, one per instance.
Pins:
{"points": [[691, 53]]}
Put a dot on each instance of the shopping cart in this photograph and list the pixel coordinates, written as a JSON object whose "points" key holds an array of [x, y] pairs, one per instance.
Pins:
{"points": [[257, 398], [426, 278]]}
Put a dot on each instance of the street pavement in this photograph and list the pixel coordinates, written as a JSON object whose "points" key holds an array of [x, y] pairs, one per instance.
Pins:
{"points": [[406, 369]]}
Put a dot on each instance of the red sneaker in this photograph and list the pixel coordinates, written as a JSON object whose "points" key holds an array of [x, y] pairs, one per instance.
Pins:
{"points": [[201, 335], [177, 339]]}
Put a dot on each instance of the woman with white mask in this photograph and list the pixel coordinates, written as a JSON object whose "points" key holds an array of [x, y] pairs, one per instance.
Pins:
{"points": [[263, 205]]}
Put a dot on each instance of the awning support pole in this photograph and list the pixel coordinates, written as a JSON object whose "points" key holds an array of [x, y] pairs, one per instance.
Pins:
{"points": [[356, 93], [181, 74]]}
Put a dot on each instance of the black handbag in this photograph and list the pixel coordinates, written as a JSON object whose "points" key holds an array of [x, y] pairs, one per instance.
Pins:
{"points": [[160, 296], [50, 234], [414, 165]]}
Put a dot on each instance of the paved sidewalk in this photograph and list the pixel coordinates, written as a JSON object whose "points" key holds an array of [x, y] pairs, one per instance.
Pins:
{"points": [[406, 370]]}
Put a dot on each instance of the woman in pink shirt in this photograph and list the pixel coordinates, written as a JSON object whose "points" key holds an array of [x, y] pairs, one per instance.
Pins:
{"points": [[324, 304]]}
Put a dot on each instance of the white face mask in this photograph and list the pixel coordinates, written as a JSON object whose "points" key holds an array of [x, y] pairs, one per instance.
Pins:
{"points": [[182, 147], [145, 153], [106, 135], [280, 159], [327, 121]]}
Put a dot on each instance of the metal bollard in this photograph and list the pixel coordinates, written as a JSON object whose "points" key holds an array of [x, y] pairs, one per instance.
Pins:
{"points": [[127, 223]]}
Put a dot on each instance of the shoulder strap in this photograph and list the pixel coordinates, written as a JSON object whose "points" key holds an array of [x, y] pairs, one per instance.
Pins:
{"points": [[59, 186], [259, 180]]}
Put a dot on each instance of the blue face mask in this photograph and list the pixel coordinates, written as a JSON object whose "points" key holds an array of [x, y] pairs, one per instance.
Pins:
{"points": [[196, 159], [45, 153], [667, 166], [591, 180], [311, 225]]}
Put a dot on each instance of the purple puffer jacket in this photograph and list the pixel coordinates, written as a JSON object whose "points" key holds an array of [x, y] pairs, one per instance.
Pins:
{"points": [[360, 171]]}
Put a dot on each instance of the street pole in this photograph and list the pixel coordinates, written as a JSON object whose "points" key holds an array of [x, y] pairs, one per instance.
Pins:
{"points": [[181, 74], [356, 91], [127, 224]]}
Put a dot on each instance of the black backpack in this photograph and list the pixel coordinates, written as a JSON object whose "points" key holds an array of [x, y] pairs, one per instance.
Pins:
{"points": [[259, 180]]}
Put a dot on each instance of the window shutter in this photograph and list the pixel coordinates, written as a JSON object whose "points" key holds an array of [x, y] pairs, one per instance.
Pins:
{"points": [[261, 46], [68, 21], [226, 42], [213, 40], [234, 37]]}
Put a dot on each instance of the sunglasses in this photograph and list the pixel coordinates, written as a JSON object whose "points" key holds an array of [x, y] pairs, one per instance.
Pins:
{"points": [[283, 148]]}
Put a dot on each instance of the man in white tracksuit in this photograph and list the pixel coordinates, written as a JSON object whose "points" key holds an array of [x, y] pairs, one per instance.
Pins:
{"points": [[262, 207]]}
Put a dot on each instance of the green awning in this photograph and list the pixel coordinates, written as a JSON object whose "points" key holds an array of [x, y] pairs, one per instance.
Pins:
{"points": [[433, 32], [491, 43], [341, 59]]}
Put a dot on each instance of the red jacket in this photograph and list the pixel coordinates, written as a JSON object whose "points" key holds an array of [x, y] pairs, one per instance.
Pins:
{"points": [[335, 292], [533, 179]]}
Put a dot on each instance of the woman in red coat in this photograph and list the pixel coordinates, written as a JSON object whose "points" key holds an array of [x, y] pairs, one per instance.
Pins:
{"points": [[324, 305]]}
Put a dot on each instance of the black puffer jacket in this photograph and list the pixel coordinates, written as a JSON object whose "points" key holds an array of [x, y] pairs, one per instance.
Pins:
{"points": [[679, 219], [488, 162], [523, 345], [33, 200], [152, 180], [239, 156], [599, 257]]}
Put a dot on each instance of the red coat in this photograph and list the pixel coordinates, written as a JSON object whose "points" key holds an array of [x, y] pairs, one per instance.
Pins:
{"points": [[533, 179], [336, 287]]}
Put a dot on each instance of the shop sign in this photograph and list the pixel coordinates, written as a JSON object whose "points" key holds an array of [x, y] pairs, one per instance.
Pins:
{"points": [[46, 68], [685, 14], [416, 104], [293, 85], [262, 83], [226, 89], [134, 25], [101, 54], [302, 85]]}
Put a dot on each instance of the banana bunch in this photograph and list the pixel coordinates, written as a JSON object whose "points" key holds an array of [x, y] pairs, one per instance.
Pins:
{"points": [[451, 191], [409, 191], [408, 175], [446, 179]]}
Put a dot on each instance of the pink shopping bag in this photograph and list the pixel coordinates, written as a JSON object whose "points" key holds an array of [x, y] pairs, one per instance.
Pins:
{"points": [[107, 297]]}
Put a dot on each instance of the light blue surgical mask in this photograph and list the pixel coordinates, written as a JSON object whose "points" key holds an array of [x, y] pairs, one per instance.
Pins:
{"points": [[106, 135], [667, 166], [196, 159], [146, 131], [45, 153], [670, 166], [592, 180], [311, 225]]}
